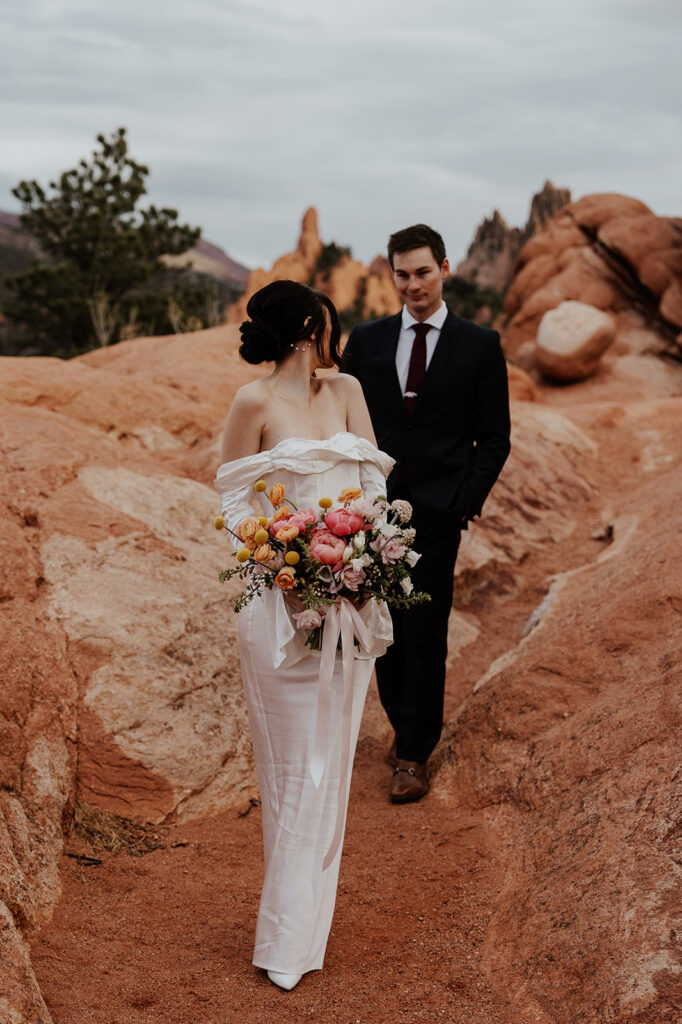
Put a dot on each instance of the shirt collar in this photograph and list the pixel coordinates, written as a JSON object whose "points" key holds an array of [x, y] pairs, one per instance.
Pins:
{"points": [[436, 319]]}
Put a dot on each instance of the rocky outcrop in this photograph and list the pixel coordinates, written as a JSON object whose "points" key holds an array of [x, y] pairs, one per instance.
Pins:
{"points": [[571, 340], [608, 251], [38, 716], [359, 291], [492, 255], [570, 745], [84, 587]]}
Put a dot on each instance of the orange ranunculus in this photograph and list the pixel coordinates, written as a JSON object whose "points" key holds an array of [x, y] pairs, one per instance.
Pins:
{"points": [[288, 533], [276, 494], [247, 528], [282, 512], [286, 578], [263, 553], [349, 494]]}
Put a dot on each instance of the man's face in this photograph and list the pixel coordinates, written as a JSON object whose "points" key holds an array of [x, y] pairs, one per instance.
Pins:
{"points": [[419, 281]]}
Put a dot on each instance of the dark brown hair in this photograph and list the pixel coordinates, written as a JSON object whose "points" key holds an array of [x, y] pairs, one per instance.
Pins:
{"points": [[283, 313], [416, 237]]}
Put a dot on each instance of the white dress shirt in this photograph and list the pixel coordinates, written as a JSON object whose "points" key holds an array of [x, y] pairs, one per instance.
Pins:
{"points": [[406, 339]]}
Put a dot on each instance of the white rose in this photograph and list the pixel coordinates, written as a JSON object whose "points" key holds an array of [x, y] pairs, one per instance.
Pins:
{"points": [[388, 530], [412, 558], [361, 562], [407, 585]]}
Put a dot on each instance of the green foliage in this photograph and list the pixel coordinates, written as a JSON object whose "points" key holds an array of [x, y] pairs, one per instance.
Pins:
{"points": [[330, 256], [466, 299], [102, 255]]}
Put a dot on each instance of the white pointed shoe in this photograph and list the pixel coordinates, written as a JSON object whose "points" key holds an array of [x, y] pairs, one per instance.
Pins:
{"points": [[287, 981]]}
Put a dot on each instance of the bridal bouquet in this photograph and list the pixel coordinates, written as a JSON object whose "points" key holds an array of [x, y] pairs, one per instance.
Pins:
{"points": [[359, 550]]}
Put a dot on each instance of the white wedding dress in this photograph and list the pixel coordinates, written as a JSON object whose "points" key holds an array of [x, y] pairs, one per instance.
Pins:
{"points": [[303, 809]]}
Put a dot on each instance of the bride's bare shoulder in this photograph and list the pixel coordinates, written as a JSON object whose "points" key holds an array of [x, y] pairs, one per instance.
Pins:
{"points": [[343, 383], [251, 396]]}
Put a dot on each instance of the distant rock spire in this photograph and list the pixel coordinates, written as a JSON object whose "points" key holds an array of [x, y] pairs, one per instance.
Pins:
{"points": [[492, 254]]}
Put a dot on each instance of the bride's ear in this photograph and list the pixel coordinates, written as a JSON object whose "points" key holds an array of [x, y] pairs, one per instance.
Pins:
{"points": [[307, 322]]}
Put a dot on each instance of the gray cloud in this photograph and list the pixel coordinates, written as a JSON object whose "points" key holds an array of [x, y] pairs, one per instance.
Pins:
{"points": [[247, 113]]}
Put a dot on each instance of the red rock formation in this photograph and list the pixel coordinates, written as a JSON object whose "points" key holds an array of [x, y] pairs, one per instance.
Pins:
{"points": [[570, 742], [492, 255], [352, 287], [608, 251]]}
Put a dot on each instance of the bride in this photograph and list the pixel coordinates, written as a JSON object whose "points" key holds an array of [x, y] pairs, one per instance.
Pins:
{"points": [[314, 435]]}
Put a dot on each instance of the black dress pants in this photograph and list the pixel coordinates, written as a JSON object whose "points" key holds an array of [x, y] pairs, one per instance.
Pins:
{"points": [[411, 675]]}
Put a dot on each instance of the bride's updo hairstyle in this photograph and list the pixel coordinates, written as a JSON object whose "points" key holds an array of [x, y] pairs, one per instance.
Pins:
{"points": [[283, 314]]}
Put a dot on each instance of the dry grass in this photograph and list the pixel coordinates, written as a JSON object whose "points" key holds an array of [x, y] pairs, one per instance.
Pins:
{"points": [[104, 831]]}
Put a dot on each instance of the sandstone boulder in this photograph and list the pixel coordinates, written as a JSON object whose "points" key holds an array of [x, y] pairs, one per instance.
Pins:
{"points": [[571, 339], [609, 251]]}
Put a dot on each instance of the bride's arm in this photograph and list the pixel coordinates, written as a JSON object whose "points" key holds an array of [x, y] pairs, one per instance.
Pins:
{"points": [[357, 414], [358, 421], [244, 424]]}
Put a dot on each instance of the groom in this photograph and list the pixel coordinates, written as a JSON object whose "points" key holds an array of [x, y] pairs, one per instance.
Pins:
{"points": [[436, 387]]}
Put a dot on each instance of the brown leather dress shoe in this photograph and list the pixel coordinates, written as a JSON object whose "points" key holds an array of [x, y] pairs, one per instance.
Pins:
{"points": [[410, 782]]}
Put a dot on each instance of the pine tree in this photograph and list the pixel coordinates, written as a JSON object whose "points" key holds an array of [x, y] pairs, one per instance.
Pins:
{"points": [[100, 252]]}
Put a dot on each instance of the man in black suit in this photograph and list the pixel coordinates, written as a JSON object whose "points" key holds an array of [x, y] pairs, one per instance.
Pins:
{"points": [[436, 388]]}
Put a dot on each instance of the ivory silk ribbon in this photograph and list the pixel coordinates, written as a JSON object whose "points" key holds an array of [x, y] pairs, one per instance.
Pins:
{"points": [[342, 620]]}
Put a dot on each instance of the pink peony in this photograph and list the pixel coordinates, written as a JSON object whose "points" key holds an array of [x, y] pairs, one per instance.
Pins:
{"points": [[327, 548], [343, 522], [302, 517]]}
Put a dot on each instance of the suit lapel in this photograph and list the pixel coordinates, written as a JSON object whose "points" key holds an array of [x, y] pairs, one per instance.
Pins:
{"points": [[393, 325], [439, 359]]}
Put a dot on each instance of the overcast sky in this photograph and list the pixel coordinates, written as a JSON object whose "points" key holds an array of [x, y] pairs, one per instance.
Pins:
{"points": [[379, 112]]}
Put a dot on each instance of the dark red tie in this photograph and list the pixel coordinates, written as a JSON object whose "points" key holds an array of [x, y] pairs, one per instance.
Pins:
{"points": [[415, 374]]}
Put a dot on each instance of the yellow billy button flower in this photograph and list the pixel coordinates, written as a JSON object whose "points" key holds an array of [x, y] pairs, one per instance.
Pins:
{"points": [[261, 536], [325, 503], [292, 558], [260, 485], [243, 555], [219, 523], [263, 520]]}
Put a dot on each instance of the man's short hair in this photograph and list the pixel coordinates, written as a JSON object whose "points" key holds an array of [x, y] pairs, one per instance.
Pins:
{"points": [[416, 237]]}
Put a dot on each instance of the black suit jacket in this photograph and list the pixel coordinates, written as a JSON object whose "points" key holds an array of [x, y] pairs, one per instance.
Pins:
{"points": [[455, 440]]}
